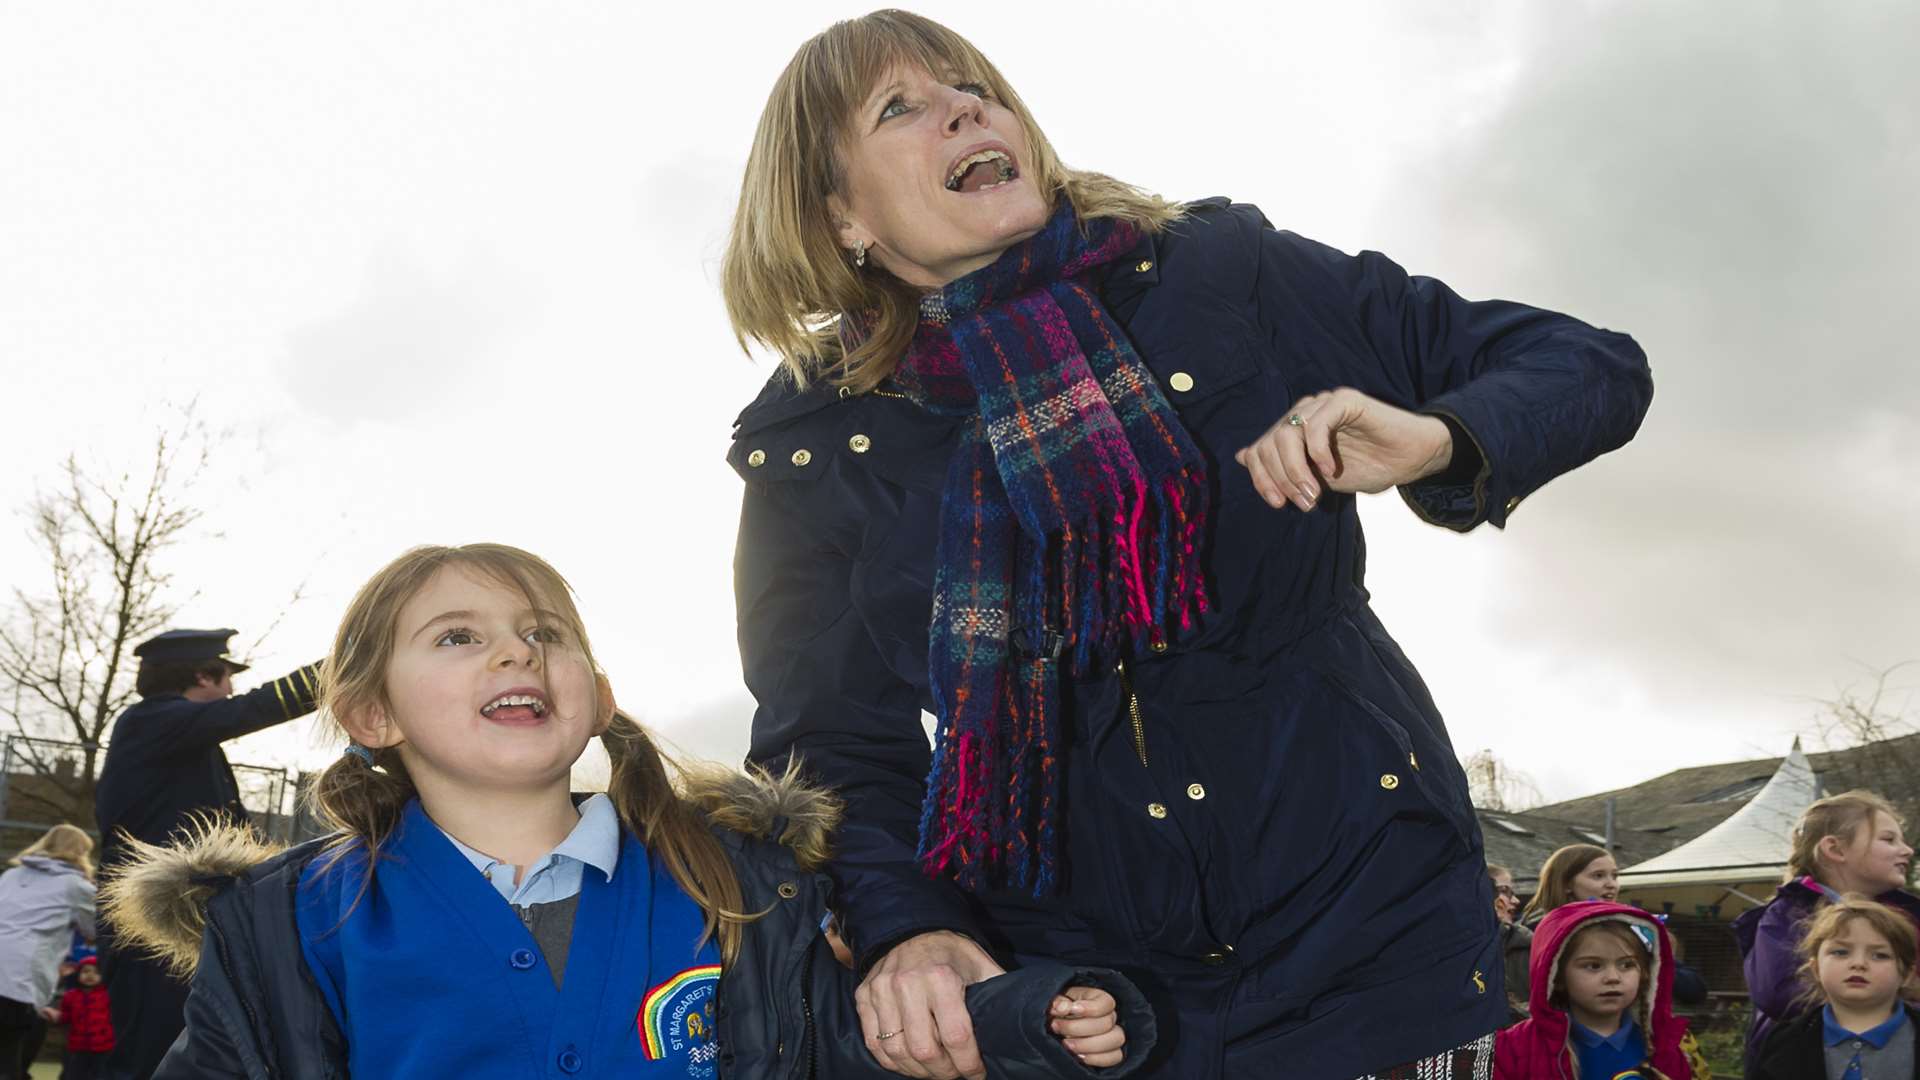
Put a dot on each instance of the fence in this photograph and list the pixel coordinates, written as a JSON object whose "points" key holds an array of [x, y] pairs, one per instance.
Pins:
{"points": [[41, 784]]}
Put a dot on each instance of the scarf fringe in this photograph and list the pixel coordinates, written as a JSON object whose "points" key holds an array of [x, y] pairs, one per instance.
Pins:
{"points": [[1129, 582]]}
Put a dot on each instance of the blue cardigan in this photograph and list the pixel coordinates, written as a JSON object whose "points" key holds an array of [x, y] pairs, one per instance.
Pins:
{"points": [[405, 966]]}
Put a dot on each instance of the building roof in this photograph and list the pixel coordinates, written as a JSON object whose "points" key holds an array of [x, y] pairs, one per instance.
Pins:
{"points": [[1661, 814], [1750, 845]]}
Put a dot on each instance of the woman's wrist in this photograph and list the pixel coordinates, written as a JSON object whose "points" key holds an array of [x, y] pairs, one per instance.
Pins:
{"points": [[1440, 437]]}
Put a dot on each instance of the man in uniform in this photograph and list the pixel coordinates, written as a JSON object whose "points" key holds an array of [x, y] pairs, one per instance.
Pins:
{"points": [[164, 768]]}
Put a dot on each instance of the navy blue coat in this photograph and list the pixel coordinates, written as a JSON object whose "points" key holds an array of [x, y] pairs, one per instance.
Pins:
{"points": [[1267, 817]]}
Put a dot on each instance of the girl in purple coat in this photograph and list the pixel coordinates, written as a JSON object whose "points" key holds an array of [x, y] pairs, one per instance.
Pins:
{"points": [[1847, 843]]}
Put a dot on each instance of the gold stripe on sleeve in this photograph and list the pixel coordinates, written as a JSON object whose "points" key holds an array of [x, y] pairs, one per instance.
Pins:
{"points": [[281, 693]]}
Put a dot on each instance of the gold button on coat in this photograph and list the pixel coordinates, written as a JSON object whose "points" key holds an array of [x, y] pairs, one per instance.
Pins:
{"points": [[1389, 781], [1181, 381], [1156, 810], [1158, 646], [859, 444], [1143, 266], [1195, 791], [788, 890], [801, 457], [756, 459]]}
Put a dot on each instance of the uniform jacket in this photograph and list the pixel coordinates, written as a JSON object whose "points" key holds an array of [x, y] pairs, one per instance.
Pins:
{"points": [[1537, 1048], [42, 902], [164, 762], [223, 908], [1769, 939], [1248, 801], [1796, 1049], [88, 1019]]}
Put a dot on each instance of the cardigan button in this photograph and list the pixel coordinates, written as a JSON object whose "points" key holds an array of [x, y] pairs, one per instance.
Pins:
{"points": [[570, 1060], [521, 959]]}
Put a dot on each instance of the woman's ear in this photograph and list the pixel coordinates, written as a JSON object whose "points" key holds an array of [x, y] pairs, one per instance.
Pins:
{"points": [[853, 236], [371, 727]]}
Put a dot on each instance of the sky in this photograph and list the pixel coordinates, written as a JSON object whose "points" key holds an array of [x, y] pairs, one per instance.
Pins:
{"points": [[448, 273]]}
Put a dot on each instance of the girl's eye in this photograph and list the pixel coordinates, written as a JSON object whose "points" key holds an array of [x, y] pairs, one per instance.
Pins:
{"points": [[543, 635], [457, 637]]}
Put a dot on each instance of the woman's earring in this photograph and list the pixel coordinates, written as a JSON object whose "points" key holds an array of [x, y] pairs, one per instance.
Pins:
{"points": [[859, 253]]}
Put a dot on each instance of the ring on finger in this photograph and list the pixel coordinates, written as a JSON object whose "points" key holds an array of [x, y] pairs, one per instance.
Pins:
{"points": [[889, 1034], [1296, 421]]}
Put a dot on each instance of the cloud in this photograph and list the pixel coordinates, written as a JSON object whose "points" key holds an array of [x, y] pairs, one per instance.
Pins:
{"points": [[1734, 187]]}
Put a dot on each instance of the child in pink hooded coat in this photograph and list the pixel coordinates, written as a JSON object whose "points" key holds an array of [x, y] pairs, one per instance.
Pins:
{"points": [[1542, 1047]]}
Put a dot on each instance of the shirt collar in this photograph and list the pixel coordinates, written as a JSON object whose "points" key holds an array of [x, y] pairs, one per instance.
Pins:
{"points": [[1589, 1037], [1875, 1036], [594, 840]]}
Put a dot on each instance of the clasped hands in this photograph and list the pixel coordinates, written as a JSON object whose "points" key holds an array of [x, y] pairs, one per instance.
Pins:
{"points": [[1343, 440], [913, 1011]]}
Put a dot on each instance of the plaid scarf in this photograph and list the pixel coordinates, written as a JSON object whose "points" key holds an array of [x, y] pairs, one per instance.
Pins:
{"points": [[1070, 532]]}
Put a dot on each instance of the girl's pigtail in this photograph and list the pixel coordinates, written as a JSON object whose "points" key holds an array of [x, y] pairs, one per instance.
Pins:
{"points": [[676, 830], [361, 801]]}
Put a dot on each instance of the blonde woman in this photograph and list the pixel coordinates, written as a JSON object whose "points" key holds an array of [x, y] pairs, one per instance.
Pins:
{"points": [[45, 896], [1072, 467]]}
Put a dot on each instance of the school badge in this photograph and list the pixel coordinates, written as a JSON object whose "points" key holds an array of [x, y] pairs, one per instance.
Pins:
{"points": [[676, 1020]]}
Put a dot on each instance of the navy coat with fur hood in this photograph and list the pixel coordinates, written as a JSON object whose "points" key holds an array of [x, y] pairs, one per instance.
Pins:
{"points": [[1267, 822], [221, 908]]}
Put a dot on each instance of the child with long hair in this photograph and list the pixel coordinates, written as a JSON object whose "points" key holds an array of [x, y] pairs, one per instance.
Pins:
{"points": [[45, 896], [1854, 958], [1574, 872], [1846, 843], [1601, 1002], [470, 917]]}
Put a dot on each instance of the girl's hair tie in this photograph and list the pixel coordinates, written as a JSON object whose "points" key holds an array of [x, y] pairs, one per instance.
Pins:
{"points": [[354, 749]]}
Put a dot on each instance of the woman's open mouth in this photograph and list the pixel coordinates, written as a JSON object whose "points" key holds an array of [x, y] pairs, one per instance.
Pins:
{"points": [[982, 170]]}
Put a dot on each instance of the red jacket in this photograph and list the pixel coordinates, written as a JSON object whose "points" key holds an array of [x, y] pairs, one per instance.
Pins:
{"points": [[1537, 1048], [89, 1027]]}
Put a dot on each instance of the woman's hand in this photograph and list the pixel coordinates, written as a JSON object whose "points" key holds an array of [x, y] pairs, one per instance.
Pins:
{"points": [[913, 1007], [1088, 1023], [1345, 441]]}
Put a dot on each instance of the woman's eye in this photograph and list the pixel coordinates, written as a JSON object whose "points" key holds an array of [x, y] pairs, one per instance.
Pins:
{"points": [[975, 89], [894, 107], [457, 637]]}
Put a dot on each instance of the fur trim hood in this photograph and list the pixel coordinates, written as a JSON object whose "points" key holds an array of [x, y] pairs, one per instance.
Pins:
{"points": [[156, 900]]}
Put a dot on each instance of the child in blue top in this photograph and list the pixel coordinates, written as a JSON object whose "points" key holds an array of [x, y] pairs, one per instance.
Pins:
{"points": [[470, 917]]}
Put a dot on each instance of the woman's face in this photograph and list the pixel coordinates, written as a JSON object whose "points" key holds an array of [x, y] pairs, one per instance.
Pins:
{"points": [[937, 178], [1597, 881]]}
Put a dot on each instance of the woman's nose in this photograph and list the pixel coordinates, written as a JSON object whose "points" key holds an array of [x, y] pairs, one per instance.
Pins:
{"points": [[967, 110]]}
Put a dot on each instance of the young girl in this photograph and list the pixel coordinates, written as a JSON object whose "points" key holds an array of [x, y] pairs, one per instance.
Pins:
{"points": [[44, 898], [470, 918], [89, 1023], [1855, 956], [1601, 1002], [1847, 843], [1575, 872]]}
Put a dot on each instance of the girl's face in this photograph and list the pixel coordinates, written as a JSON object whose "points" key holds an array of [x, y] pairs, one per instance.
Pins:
{"points": [[937, 178], [1857, 968], [485, 690], [1603, 980], [88, 975], [1597, 882], [1876, 860], [1505, 903]]}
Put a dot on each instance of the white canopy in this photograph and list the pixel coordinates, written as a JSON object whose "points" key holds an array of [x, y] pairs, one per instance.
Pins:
{"points": [[1748, 848]]}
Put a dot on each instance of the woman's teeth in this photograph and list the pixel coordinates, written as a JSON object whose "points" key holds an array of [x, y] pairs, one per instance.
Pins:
{"points": [[1000, 162]]}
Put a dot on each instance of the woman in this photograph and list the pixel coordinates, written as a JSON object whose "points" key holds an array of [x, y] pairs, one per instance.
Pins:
{"points": [[1516, 942], [44, 898], [1071, 467], [1574, 872]]}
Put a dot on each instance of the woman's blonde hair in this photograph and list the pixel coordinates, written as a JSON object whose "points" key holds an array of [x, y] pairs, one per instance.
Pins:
{"points": [[364, 802], [787, 281], [68, 843], [1557, 874], [1840, 816], [1831, 920]]}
